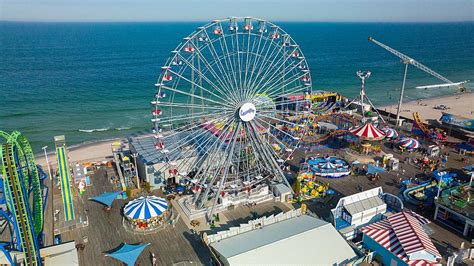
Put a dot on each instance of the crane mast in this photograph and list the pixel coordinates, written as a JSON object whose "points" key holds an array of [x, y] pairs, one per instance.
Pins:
{"points": [[408, 60]]}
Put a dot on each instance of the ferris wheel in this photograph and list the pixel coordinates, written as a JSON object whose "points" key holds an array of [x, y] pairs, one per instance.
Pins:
{"points": [[226, 110]]}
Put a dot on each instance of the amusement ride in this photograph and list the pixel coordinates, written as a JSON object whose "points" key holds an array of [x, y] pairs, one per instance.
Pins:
{"points": [[222, 98], [24, 197]]}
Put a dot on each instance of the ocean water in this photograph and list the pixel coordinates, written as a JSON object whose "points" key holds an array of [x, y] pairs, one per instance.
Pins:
{"points": [[92, 81]]}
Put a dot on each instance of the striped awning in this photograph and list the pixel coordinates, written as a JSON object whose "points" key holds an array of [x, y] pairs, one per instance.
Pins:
{"points": [[145, 208], [409, 143], [411, 235], [328, 165], [402, 235], [368, 132], [390, 132]]}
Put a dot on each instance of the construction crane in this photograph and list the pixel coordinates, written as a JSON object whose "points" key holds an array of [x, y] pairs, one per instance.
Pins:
{"points": [[410, 61]]}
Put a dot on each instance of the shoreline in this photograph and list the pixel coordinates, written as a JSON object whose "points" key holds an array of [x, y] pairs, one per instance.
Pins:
{"points": [[460, 104], [98, 150]]}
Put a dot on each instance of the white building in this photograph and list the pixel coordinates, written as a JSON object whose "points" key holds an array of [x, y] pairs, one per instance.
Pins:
{"points": [[362, 208], [284, 239]]}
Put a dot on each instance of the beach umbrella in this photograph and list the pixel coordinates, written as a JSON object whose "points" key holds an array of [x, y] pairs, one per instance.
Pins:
{"points": [[127, 253], [390, 133], [409, 143], [368, 132], [372, 169], [145, 208], [106, 198]]}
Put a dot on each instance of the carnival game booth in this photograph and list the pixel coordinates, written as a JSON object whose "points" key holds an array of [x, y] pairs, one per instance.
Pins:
{"points": [[367, 134], [147, 213]]}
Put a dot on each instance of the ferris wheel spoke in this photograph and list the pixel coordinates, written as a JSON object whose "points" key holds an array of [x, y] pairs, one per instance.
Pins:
{"points": [[187, 106], [233, 60], [228, 84], [200, 74], [194, 116], [208, 140], [229, 103], [278, 75], [211, 139], [195, 96], [272, 135], [276, 167], [266, 158], [278, 87], [188, 127], [264, 64], [225, 71], [277, 119], [248, 53], [239, 64], [184, 141], [274, 127], [247, 82], [226, 167], [271, 71], [205, 176]]}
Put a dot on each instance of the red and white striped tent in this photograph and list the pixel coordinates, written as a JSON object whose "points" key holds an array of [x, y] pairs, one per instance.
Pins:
{"points": [[368, 132], [402, 235]]}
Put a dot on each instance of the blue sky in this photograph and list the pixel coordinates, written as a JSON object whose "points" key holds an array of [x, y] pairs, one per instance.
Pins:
{"points": [[205, 10]]}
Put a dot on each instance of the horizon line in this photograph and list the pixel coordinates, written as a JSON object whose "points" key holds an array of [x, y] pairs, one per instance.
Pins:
{"points": [[200, 21]]}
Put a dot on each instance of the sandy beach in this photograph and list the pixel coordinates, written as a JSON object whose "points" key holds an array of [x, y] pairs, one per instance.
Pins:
{"points": [[460, 104], [94, 152]]}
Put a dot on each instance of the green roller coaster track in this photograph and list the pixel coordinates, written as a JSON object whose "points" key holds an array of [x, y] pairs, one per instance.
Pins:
{"points": [[30, 174], [19, 170]]}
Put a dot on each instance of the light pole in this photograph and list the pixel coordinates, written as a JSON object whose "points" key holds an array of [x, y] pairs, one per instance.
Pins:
{"points": [[135, 155], [51, 194]]}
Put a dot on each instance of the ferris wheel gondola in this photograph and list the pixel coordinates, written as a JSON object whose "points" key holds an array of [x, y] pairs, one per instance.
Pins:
{"points": [[222, 103]]}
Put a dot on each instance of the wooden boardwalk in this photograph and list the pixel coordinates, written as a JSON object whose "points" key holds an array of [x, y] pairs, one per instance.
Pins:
{"points": [[105, 232], [442, 237]]}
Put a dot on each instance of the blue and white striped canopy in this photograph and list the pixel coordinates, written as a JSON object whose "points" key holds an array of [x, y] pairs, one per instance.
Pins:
{"points": [[145, 208], [328, 165]]}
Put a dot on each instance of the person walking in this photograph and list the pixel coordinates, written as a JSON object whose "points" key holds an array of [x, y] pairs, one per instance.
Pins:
{"points": [[153, 259]]}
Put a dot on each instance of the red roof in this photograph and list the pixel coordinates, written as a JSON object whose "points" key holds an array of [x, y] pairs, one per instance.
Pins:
{"points": [[369, 132], [411, 235], [402, 235]]}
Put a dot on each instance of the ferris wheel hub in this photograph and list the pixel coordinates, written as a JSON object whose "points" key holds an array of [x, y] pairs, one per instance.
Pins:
{"points": [[247, 112]]}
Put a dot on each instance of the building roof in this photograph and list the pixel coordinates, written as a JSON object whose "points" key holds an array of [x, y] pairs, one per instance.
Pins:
{"points": [[364, 205], [173, 141], [285, 242], [283, 189], [411, 235], [402, 235]]}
